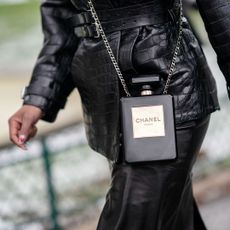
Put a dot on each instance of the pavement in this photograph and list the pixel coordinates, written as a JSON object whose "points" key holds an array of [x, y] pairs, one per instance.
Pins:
{"points": [[10, 101], [216, 216], [213, 196], [90, 225]]}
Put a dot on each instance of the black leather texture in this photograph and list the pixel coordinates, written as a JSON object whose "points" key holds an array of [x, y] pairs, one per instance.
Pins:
{"points": [[67, 61], [156, 195]]}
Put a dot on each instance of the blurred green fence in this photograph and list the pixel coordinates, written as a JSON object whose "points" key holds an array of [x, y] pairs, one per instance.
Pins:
{"points": [[52, 185]]}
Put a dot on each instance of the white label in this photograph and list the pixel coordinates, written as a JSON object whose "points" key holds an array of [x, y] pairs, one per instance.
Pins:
{"points": [[148, 121]]}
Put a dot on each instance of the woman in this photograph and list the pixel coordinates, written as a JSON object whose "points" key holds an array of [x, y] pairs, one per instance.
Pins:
{"points": [[142, 35]]}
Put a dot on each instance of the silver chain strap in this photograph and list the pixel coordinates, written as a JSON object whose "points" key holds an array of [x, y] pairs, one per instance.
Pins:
{"points": [[101, 32], [176, 51]]}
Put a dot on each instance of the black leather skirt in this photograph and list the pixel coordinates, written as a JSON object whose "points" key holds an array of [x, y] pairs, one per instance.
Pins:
{"points": [[156, 195]]}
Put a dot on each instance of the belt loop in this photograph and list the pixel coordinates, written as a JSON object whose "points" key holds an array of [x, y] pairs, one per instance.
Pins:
{"points": [[126, 49], [85, 31]]}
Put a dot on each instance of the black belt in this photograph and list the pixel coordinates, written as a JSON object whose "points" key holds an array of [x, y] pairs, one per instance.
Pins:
{"points": [[122, 18]]}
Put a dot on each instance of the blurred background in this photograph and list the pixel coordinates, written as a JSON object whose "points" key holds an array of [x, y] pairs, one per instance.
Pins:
{"points": [[60, 183]]}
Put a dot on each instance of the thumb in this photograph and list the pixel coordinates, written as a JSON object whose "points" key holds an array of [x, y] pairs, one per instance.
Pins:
{"points": [[23, 134]]}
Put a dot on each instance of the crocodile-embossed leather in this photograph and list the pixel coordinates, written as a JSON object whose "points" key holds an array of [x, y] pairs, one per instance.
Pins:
{"points": [[216, 16], [52, 70], [141, 50]]}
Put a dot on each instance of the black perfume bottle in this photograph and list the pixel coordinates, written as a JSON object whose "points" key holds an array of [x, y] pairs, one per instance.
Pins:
{"points": [[148, 124]]}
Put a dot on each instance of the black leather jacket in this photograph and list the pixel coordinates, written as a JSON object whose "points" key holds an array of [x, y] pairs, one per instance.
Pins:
{"points": [[67, 61]]}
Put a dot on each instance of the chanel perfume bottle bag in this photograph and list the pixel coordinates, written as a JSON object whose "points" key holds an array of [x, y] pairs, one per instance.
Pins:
{"points": [[148, 128]]}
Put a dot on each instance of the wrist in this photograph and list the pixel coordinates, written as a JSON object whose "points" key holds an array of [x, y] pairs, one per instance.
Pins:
{"points": [[34, 108]]}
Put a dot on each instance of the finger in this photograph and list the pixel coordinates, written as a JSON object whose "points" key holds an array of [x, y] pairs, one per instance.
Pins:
{"points": [[33, 132], [27, 124], [14, 127], [23, 146]]}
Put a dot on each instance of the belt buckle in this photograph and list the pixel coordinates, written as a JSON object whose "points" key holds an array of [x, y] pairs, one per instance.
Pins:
{"points": [[97, 28]]}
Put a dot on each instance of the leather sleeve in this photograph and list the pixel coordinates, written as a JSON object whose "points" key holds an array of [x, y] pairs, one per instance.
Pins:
{"points": [[51, 81], [216, 16]]}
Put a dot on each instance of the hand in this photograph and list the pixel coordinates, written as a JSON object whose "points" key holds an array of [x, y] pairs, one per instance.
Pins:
{"points": [[22, 125]]}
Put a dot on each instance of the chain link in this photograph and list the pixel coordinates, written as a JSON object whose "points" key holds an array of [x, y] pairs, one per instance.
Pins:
{"points": [[176, 51], [101, 32]]}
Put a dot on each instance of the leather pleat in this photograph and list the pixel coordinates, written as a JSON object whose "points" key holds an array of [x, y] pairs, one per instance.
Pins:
{"points": [[156, 195]]}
